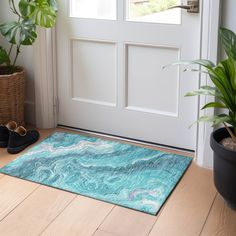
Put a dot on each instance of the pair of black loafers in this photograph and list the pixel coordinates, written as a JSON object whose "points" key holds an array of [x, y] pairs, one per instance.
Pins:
{"points": [[16, 138]]}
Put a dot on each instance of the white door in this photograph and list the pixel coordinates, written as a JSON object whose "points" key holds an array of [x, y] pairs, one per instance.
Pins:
{"points": [[110, 77]]}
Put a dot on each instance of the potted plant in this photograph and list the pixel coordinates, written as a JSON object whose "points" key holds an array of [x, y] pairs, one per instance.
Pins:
{"points": [[223, 140], [20, 32]]}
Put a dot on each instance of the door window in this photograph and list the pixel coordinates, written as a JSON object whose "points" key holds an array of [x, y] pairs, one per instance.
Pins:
{"points": [[155, 11], [96, 9]]}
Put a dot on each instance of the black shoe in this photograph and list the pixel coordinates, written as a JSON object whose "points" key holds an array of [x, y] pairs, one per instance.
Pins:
{"points": [[20, 138], [5, 131]]}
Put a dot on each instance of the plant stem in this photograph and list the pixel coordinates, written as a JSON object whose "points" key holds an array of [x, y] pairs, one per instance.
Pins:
{"points": [[18, 46], [17, 54], [230, 132], [9, 53], [14, 8]]}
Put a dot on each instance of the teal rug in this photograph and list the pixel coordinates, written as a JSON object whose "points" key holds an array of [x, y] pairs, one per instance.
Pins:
{"points": [[126, 175]]}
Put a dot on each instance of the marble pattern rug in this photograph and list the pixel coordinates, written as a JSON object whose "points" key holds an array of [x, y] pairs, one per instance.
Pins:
{"points": [[127, 175]]}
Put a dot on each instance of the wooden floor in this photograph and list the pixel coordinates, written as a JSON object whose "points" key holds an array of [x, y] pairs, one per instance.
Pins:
{"points": [[194, 208]]}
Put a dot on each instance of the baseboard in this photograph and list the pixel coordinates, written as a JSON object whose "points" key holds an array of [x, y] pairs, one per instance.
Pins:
{"points": [[30, 112]]}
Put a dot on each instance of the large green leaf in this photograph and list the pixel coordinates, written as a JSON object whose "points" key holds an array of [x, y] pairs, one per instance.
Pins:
{"points": [[208, 87], [195, 70], [22, 32], [205, 63], [213, 105], [53, 4], [224, 88], [223, 78], [215, 120], [41, 12], [204, 90], [228, 39], [4, 58], [229, 66]]}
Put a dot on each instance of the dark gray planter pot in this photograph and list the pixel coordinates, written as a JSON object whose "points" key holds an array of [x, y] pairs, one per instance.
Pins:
{"points": [[224, 168]]}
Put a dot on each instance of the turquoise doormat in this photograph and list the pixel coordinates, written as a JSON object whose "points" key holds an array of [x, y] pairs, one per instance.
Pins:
{"points": [[126, 175]]}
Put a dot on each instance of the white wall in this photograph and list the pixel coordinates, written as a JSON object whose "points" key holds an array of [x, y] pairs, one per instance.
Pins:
{"points": [[229, 14], [228, 18], [26, 60]]}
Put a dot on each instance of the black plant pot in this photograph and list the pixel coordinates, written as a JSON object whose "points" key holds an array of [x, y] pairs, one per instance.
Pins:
{"points": [[224, 167]]}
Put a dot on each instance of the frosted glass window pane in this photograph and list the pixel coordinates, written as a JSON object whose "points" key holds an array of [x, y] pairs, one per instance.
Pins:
{"points": [[155, 11], [97, 9]]}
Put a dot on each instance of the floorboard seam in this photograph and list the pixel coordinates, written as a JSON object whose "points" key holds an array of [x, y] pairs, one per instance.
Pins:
{"points": [[157, 217], [64, 208], [105, 232], [203, 226], [104, 221], [19, 204]]}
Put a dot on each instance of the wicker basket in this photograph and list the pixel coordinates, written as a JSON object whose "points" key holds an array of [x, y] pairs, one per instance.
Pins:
{"points": [[12, 96]]}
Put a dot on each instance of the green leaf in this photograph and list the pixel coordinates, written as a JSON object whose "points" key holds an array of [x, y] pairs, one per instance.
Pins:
{"points": [[213, 104], [228, 39], [204, 90], [221, 82], [24, 8], [222, 77], [207, 87], [53, 4], [205, 63], [7, 30], [229, 66], [215, 120], [22, 32], [4, 58], [41, 12], [195, 70]]}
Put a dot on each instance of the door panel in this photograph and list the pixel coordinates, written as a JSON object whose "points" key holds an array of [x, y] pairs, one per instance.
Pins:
{"points": [[90, 75], [110, 76], [145, 75]]}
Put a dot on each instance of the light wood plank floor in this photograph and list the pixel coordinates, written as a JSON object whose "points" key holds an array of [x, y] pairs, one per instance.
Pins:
{"points": [[194, 208]]}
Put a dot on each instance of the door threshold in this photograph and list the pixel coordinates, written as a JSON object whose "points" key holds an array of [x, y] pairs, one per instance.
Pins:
{"points": [[137, 141]]}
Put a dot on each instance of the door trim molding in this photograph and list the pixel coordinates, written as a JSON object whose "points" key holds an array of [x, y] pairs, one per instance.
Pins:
{"points": [[46, 87], [210, 22]]}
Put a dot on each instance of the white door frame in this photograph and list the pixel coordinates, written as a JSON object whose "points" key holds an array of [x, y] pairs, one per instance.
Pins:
{"points": [[210, 20], [45, 69]]}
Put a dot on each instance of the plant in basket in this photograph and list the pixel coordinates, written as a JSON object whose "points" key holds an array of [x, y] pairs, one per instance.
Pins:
{"points": [[18, 33]]}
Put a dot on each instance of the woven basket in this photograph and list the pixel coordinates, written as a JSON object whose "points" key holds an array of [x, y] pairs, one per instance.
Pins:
{"points": [[12, 96]]}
